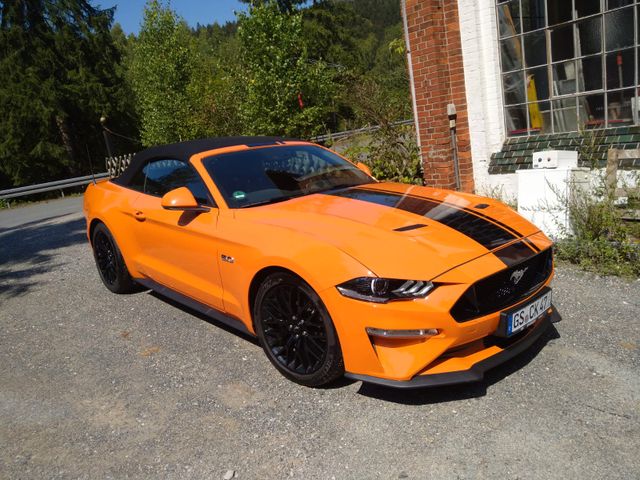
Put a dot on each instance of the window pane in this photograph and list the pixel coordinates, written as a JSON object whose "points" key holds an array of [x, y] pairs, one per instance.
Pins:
{"points": [[562, 43], [137, 182], [162, 176], [511, 54], [564, 78], [619, 107], [619, 29], [513, 85], [540, 117], [516, 120], [591, 111], [272, 174], [590, 73], [620, 69], [618, 3], [535, 49], [509, 18], [590, 34], [537, 84], [559, 11], [532, 14], [587, 7], [564, 115]]}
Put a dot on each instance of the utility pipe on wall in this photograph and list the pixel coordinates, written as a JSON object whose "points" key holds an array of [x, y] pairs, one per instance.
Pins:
{"points": [[412, 84], [452, 114]]}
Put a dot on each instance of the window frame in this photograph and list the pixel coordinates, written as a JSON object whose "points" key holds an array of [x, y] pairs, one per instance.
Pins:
{"points": [[581, 92], [210, 200]]}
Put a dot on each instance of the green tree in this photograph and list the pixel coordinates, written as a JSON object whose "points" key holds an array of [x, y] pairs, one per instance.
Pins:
{"points": [[286, 93], [354, 38], [162, 66], [58, 70], [286, 6]]}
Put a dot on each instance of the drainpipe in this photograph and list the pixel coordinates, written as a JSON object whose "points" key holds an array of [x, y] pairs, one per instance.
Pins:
{"points": [[412, 84], [453, 115]]}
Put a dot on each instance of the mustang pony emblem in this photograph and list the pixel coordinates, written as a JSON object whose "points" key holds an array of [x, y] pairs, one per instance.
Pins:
{"points": [[517, 275]]}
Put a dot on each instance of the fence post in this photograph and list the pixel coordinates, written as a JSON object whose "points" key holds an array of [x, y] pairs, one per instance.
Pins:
{"points": [[611, 175]]}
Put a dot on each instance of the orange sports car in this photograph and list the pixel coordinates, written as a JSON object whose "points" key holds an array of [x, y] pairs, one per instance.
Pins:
{"points": [[334, 272]]}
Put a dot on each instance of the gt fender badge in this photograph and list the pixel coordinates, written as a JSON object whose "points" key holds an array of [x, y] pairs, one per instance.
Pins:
{"points": [[517, 275], [227, 258]]}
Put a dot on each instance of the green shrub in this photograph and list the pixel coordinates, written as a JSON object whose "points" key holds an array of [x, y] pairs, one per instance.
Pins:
{"points": [[391, 153], [600, 240]]}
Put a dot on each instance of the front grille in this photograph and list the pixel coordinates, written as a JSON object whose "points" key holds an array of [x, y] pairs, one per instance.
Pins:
{"points": [[500, 290]]}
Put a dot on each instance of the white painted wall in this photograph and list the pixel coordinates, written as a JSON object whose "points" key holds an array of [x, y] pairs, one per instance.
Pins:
{"points": [[480, 54]]}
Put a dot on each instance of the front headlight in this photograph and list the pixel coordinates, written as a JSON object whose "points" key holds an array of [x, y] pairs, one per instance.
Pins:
{"points": [[383, 290]]}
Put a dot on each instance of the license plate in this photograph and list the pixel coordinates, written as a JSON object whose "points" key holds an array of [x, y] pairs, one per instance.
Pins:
{"points": [[521, 317]]}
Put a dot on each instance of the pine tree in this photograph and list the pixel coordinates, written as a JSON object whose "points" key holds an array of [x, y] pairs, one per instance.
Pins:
{"points": [[58, 69]]}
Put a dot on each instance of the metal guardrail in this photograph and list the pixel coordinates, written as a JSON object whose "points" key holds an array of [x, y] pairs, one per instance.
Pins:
{"points": [[357, 131], [50, 186], [115, 166]]}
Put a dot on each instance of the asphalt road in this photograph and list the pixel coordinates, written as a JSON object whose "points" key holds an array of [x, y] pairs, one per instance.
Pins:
{"points": [[95, 385]]}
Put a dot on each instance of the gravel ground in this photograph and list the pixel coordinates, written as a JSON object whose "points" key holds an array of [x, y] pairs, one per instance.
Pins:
{"points": [[94, 385]]}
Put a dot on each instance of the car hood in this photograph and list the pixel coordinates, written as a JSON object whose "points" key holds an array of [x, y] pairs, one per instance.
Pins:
{"points": [[397, 230]]}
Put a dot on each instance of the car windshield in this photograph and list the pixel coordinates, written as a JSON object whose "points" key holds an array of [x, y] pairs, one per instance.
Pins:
{"points": [[273, 174]]}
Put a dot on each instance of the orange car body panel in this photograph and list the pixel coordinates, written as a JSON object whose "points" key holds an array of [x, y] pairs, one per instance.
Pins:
{"points": [[326, 240]]}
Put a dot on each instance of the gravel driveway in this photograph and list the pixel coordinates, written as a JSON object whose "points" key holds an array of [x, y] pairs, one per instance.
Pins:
{"points": [[95, 385]]}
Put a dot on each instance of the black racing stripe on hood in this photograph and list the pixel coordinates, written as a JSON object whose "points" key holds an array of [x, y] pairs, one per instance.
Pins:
{"points": [[515, 253], [487, 234], [473, 212]]}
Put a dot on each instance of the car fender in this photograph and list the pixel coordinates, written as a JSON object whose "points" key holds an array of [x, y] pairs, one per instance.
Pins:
{"points": [[320, 264]]}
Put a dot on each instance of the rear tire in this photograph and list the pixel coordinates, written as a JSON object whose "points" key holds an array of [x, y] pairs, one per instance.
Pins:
{"points": [[111, 267], [296, 331]]}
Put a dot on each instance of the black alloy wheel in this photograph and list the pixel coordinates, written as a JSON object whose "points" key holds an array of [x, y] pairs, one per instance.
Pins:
{"points": [[113, 271], [105, 257], [296, 331]]}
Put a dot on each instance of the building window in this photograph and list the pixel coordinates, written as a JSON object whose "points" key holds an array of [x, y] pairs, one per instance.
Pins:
{"points": [[569, 65]]}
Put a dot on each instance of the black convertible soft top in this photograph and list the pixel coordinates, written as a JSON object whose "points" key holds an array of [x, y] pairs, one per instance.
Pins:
{"points": [[185, 150]]}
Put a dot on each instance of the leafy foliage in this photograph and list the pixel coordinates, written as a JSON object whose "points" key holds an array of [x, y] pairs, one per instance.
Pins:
{"points": [[162, 66], [391, 151], [286, 93], [600, 240], [64, 66]]}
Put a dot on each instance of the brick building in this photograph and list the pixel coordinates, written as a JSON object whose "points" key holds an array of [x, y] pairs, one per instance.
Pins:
{"points": [[524, 75]]}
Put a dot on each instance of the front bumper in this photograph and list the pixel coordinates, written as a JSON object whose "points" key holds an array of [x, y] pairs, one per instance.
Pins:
{"points": [[476, 372]]}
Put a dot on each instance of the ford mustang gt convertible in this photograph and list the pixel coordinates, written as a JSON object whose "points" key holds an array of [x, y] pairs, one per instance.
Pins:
{"points": [[334, 272]]}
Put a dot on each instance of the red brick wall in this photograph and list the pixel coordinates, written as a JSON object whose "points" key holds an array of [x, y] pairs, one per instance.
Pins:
{"points": [[434, 42]]}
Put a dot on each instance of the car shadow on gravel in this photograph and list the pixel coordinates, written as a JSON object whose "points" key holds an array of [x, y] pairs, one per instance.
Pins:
{"points": [[206, 318], [28, 251], [465, 391]]}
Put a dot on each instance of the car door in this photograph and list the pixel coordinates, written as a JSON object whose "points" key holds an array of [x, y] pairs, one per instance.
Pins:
{"points": [[178, 249]]}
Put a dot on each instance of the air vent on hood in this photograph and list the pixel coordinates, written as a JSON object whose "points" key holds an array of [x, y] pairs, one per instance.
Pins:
{"points": [[409, 227]]}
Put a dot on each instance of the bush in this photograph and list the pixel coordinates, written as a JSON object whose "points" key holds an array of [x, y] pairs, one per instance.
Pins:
{"points": [[601, 241], [391, 153]]}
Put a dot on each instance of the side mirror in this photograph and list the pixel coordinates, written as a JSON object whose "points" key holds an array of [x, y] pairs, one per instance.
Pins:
{"points": [[183, 200], [365, 168]]}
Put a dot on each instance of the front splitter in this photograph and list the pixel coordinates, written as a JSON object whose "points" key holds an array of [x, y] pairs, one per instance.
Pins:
{"points": [[477, 371]]}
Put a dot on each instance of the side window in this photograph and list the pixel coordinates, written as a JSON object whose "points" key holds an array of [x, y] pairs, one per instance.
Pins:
{"points": [[161, 176], [137, 182]]}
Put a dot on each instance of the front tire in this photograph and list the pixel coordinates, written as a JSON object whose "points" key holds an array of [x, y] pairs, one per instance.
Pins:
{"points": [[113, 271], [296, 331]]}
